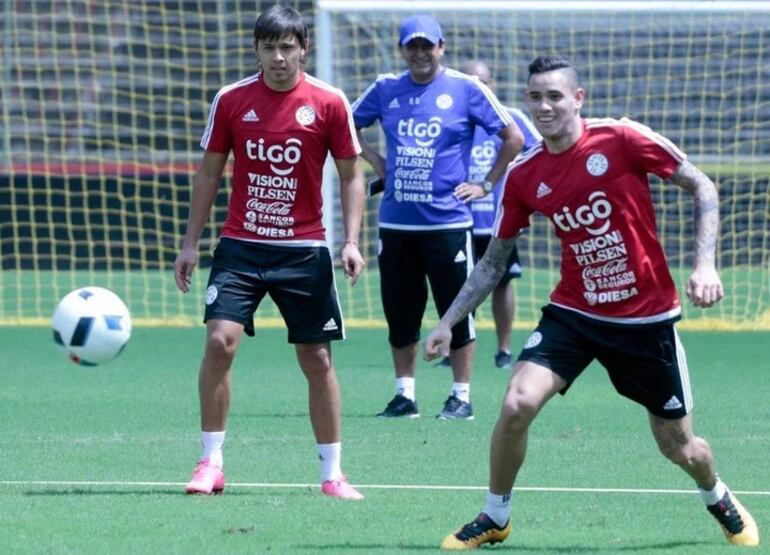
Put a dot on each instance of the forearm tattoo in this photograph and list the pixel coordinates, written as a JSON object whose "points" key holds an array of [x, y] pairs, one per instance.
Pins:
{"points": [[706, 209], [485, 275]]}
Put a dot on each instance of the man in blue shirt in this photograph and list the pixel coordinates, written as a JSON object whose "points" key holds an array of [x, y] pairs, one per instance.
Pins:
{"points": [[484, 210], [428, 115]]}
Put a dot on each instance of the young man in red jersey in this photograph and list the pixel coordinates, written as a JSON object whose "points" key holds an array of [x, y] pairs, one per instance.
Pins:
{"points": [[616, 301], [280, 125]]}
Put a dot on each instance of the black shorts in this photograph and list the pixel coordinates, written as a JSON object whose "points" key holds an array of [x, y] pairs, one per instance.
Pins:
{"points": [[406, 259], [647, 364], [512, 269], [299, 280]]}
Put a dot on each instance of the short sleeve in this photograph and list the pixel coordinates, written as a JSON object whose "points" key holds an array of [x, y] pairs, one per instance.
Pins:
{"points": [[512, 213], [651, 151], [485, 109], [218, 137], [366, 109], [343, 142]]}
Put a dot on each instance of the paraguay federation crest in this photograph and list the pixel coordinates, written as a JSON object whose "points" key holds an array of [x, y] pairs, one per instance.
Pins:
{"points": [[597, 164], [444, 101], [305, 115]]}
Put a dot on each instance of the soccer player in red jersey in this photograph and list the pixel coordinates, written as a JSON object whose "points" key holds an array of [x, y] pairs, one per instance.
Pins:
{"points": [[280, 125], [615, 302]]}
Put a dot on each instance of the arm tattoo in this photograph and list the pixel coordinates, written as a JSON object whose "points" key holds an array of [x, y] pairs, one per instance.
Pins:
{"points": [[706, 209], [485, 275]]}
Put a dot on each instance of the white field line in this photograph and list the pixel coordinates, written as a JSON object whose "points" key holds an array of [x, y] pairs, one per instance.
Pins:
{"points": [[94, 483]]}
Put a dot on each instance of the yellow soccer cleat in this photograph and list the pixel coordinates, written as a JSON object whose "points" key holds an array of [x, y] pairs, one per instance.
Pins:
{"points": [[476, 533], [737, 523]]}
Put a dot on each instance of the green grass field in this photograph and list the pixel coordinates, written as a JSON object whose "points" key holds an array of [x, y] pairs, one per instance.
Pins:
{"points": [[94, 459]]}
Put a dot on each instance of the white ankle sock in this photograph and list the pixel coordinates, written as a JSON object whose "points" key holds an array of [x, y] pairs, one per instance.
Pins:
{"points": [[462, 391], [212, 447], [405, 387], [330, 454], [498, 507], [714, 496]]}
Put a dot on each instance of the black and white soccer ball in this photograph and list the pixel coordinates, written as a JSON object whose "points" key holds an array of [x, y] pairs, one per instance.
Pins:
{"points": [[91, 325]]}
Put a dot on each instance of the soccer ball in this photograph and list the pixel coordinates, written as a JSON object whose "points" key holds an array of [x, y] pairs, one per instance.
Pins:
{"points": [[91, 325]]}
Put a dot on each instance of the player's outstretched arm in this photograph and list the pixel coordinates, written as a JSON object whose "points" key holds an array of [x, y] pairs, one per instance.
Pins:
{"points": [[352, 200], [704, 288], [479, 284], [205, 186]]}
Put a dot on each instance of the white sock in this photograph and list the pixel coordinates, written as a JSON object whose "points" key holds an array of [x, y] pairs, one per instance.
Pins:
{"points": [[212, 447], [462, 391], [330, 454], [498, 508], [405, 387], [714, 496]]}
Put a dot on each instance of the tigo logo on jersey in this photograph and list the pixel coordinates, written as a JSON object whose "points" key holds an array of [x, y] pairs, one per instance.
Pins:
{"points": [[424, 133], [305, 115], [586, 215], [484, 154], [597, 164], [289, 153]]}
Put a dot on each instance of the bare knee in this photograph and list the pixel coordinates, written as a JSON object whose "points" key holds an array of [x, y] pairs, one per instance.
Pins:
{"points": [[220, 349], [518, 411], [316, 362]]}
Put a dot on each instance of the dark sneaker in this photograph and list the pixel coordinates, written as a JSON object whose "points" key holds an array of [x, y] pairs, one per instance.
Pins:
{"points": [[736, 522], [443, 363], [503, 359], [455, 409], [400, 406], [476, 533]]}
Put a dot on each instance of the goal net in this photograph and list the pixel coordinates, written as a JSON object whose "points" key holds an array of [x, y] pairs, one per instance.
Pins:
{"points": [[104, 104]]}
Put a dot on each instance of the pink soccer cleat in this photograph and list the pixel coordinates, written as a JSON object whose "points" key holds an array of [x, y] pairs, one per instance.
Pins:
{"points": [[340, 488], [207, 478]]}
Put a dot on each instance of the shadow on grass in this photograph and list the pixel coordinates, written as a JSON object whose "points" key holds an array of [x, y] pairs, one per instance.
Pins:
{"points": [[512, 547], [176, 492]]}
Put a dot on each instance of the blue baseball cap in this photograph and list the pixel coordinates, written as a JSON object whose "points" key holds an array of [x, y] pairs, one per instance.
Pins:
{"points": [[420, 27]]}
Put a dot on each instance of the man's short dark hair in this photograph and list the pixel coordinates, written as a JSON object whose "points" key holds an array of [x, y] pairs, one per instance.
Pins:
{"points": [[542, 64], [279, 20]]}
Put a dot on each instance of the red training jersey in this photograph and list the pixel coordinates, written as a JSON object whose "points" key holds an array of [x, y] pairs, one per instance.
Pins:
{"points": [[280, 140], [597, 195]]}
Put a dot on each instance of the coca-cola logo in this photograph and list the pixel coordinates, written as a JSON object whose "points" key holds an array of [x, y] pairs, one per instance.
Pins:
{"points": [[277, 208], [277, 155], [414, 173], [609, 269]]}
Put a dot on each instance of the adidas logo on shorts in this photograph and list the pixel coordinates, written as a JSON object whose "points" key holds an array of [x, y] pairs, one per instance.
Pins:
{"points": [[331, 325], [673, 404]]}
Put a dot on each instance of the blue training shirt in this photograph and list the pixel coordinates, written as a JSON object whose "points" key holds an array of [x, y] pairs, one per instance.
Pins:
{"points": [[483, 154], [429, 132]]}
